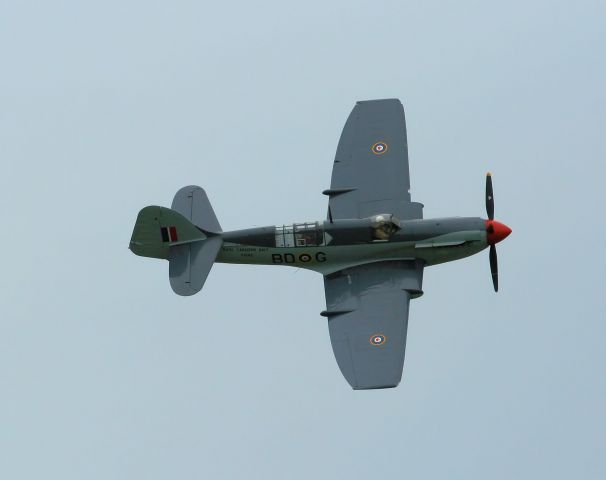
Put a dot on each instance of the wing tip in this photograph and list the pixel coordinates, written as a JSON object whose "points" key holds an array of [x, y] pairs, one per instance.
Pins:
{"points": [[374, 387], [376, 100]]}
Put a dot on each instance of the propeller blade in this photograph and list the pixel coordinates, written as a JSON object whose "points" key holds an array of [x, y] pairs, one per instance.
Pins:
{"points": [[494, 267], [489, 197]]}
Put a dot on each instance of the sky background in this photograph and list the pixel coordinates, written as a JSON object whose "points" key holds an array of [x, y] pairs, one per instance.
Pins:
{"points": [[106, 107]]}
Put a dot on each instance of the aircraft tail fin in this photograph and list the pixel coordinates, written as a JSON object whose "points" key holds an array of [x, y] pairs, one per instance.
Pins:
{"points": [[188, 236], [157, 229]]}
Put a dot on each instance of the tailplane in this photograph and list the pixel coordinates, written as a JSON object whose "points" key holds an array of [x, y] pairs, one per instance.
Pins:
{"points": [[193, 203], [188, 235]]}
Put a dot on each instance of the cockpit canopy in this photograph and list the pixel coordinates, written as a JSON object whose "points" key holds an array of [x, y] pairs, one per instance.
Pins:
{"points": [[384, 226]]}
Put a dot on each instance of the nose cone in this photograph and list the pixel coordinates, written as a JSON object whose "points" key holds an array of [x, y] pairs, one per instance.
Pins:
{"points": [[496, 231]]}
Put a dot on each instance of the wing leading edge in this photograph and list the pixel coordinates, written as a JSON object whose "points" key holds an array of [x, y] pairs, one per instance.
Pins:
{"points": [[367, 310]]}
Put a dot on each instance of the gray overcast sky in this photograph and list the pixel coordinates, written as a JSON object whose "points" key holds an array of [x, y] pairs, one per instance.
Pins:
{"points": [[106, 107]]}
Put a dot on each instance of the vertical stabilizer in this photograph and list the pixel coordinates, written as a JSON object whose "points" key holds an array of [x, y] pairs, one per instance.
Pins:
{"points": [[158, 229]]}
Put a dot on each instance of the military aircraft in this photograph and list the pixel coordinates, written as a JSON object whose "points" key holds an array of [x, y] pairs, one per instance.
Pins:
{"points": [[371, 249]]}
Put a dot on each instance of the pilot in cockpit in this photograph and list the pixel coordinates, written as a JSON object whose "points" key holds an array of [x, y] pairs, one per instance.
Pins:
{"points": [[384, 226]]}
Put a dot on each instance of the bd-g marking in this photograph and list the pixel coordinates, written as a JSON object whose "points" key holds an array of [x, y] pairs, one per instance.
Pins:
{"points": [[278, 258], [371, 249]]}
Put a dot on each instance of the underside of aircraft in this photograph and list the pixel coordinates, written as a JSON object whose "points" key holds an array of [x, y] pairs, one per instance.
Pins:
{"points": [[371, 249]]}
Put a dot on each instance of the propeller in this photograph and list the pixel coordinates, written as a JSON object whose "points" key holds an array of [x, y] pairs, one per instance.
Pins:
{"points": [[495, 232], [489, 197], [494, 267]]}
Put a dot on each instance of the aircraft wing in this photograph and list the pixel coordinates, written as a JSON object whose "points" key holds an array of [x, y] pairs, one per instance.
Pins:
{"points": [[367, 310], [370, 173]]}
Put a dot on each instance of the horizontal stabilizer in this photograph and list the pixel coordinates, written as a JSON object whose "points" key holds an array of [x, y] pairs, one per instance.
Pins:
{"points": [[190, 264], [192, 202]]}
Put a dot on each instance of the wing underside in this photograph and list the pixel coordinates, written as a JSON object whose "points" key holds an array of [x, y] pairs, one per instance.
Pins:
{"points": [[370, 173], [367, 309]]}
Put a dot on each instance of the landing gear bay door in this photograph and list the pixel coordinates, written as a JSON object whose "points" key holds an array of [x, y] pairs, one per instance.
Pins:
{"points": [[370, 174]]}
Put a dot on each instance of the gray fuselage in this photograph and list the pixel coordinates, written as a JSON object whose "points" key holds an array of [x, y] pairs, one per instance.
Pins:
{"points": [[327, 247]]}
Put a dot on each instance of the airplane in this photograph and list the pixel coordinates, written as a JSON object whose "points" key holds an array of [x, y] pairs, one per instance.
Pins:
{"points": [[371, 249]]}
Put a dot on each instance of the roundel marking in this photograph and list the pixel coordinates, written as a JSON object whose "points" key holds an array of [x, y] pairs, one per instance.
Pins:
{"points": [[377, 339], [304, 257], [379, 148]]}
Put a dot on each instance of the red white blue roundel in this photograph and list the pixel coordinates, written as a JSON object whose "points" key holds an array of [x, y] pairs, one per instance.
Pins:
{"points": [[379, 148], [377, 339]]}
